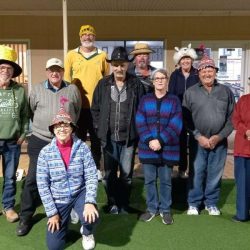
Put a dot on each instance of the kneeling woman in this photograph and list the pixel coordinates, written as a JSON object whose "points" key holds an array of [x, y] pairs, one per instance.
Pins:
{"points": [[159, 123], [66, 179]]}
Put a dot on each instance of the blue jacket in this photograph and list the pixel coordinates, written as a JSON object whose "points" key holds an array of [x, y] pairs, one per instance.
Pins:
{"points": [[159, 119], [56, 184], [178, 84]]}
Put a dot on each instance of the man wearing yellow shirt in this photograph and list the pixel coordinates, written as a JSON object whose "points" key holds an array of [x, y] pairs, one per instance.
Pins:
{"points": [[85, 66]]}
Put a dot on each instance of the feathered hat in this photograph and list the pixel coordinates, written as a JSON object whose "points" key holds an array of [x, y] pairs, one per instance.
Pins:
{"points": [[184, 52], [62, 116]]}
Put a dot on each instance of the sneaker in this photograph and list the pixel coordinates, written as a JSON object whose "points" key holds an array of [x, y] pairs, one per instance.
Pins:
{"points": [[88, 242], [167, 218], [213, 210], [192, 211], [11, 215], [114, 210], [148, 216], [99, 175], [74, 217]]}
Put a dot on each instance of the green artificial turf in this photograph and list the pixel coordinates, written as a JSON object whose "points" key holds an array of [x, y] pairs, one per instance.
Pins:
{"points": [[126, 232]]}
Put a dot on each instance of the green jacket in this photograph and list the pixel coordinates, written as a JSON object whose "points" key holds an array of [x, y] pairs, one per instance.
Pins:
{"points": [[14, 112]]}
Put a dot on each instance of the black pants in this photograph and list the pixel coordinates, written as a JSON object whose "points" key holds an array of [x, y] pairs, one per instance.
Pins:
{"points": [[85, 125], [30, 198]]}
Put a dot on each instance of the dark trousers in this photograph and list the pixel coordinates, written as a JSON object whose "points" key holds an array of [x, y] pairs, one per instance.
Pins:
{"points": [[118, 157], [10, 152], [85, 125], [242, 180], [56, 240], [30, 198]]}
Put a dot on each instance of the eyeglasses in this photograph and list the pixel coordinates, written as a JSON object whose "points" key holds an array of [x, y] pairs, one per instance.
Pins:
{"points": [[2, 68], [65, 126], [157, 79]]}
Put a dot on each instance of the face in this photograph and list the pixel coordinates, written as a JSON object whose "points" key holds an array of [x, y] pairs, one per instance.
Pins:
{"points": [[207, 76], [6, 72], [160, 81], [63, 132], [186, 63], [87, 40], [142, 61], [119, 69], [55, 75]]}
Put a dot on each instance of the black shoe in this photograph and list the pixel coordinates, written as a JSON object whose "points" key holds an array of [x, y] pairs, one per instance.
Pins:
{"points": [[167, 218], [236, 219], [23, 228]]}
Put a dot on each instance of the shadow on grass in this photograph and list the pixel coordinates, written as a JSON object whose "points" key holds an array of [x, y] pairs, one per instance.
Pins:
{"points": [[116, 230]]}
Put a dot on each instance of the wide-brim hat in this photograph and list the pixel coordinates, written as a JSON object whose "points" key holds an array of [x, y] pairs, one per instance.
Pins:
{"points": [[141, 48], [206, 62], [119, 54], [9, 56], [61, 117]]}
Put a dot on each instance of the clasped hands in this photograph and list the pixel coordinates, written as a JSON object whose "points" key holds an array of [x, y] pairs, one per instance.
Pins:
{"points": [[209, 143]]}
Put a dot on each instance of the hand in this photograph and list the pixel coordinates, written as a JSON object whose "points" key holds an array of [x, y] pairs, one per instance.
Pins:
{"points": [[248, 135], [204, 141], [53, 223], [214, 140], [20, 141], [155, 145], [90, 213]]}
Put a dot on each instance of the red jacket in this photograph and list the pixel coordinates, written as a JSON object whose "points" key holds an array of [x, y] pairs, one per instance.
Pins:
{"points": [[241, 123]]}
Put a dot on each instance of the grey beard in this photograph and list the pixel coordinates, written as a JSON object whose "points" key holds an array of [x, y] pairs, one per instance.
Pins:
{"points": [[87, 44]]}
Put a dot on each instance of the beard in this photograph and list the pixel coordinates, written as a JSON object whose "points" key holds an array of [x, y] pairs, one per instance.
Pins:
{"points": [[87, 44], [142, 65]]}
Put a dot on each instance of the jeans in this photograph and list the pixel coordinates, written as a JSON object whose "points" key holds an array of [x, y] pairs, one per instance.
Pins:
{"points": [[85, 125], [30, 198], [205, 177], [117, 156], [163, 201], [242, 179], [10, 152], [56, 240]]}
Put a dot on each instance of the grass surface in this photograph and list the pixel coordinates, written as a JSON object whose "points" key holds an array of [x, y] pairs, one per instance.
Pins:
{"points": [[126, 232]]}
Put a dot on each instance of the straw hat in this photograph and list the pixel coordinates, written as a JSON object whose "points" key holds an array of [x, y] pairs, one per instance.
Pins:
{"points": [[9, 56], [141, 48]]}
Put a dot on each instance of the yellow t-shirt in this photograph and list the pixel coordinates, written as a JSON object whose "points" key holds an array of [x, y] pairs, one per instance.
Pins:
{"points": [[85, 72]]}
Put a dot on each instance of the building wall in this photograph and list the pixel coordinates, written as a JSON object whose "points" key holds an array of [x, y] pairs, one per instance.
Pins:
{"points": [[46, 32]]}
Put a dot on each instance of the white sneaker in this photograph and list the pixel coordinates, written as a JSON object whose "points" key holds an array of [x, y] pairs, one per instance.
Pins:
{"points": [[74, 217], [99, 175], [192, 211], [213, 210], [88, 242]]}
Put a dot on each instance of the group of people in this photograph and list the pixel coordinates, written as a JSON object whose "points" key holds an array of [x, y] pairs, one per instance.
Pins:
{"points": [[183, 119]]}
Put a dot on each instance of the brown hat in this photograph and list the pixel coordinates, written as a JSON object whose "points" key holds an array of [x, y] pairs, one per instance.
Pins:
{"points": [[141, 48]]}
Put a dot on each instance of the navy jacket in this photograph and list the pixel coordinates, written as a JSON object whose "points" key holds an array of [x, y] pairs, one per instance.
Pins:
{"points": [[178, 84]]}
